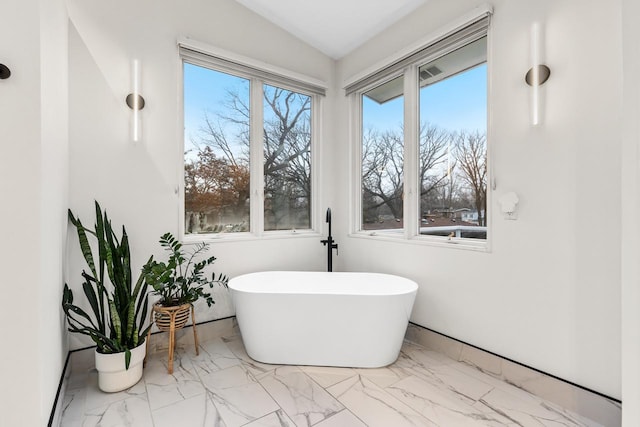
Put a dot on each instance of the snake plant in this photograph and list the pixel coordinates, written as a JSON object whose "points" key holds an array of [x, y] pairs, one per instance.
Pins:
{"points": [[118, 305]]}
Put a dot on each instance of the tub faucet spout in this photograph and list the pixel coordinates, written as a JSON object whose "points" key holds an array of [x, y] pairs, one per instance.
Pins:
{"points": [[329, 243]]}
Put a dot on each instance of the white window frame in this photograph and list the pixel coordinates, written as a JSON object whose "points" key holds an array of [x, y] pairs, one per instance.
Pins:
{"points": [[258, 74], [407, 63]]}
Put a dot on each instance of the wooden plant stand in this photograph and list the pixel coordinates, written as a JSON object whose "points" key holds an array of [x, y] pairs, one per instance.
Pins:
{"points": [[168, 319]]}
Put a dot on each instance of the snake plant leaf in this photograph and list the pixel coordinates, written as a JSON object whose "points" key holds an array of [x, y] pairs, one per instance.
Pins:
{"points": [[76, 222], [143, 302], [99, 226], [104, 343], [133, 308], [115, 320], [76, 326], [122, 289], [145, 332], [90, 293], [131, 322], [101, 292], [70, 308], [127, 358], [126, 258], [141, 312], [85, 248], [104, 233], [67, 295]]}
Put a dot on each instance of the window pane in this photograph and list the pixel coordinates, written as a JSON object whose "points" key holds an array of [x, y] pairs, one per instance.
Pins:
{"points": [[216, 157], [287, 159], [453, 144], [382, 156]]}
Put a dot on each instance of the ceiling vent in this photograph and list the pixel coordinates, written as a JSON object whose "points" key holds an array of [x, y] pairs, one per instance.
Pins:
{"points": [[429, 72]]}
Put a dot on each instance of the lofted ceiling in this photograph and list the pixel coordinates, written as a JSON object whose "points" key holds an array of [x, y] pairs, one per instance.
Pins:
{"points": [[335, 27]]}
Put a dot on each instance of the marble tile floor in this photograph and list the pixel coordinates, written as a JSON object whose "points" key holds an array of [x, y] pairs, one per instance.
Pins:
{"points": [[223, 387]]}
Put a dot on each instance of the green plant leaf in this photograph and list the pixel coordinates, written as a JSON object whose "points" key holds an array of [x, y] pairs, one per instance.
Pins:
{"points": [[90, 293], [132, 310], [115, 321], [126, 259], [85, 247], [105, 240], [99, 226], [70, 310], [143, 314]]}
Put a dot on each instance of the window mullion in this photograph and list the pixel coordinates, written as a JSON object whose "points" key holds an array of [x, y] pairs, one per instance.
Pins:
{"points": [[355, 124], [317, 151], [256, 149], [411, 155]]}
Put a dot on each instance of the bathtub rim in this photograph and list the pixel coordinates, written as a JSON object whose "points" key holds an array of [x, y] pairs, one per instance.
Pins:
{"points": [[408, 286]]}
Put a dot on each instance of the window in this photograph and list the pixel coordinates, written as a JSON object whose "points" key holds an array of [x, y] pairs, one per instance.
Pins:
{"points": [[216, 155], [452, 170], [423, 142], [287, 159], [382, 156], [248, 149]]}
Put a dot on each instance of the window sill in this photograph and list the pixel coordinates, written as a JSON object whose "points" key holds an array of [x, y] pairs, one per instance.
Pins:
{"points": [[443, 242], [248, 237]]}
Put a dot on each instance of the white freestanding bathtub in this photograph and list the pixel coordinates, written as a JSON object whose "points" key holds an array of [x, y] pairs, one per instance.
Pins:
{"points": [[324, 319]]}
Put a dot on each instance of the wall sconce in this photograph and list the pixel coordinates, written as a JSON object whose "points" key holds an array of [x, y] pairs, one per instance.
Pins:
{"points": [[5, 72], [537, 75], [135, 101]]}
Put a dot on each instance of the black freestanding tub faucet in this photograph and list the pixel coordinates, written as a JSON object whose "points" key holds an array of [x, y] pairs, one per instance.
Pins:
{"points": [[328, 242]]}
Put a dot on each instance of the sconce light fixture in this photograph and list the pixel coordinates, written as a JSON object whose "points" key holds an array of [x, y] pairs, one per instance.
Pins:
{"points": [[135, 101], [537, 75], [5, 72]]}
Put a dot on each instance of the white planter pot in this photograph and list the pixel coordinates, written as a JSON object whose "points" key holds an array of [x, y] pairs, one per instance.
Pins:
{"points": [[112, 375]]}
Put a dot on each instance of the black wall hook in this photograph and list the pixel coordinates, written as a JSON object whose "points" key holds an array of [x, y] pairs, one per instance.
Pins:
{"points": [[5, 72]]}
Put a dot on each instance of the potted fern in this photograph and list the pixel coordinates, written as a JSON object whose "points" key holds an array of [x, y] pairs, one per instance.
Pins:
{"points": [[179, 283], [118, 305]]}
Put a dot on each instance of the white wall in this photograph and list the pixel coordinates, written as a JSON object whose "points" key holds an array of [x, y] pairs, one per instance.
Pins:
{"points": [[54, 198], [630, 185], [136, 182], [20, 213], [33, 184], [547, 294]]}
